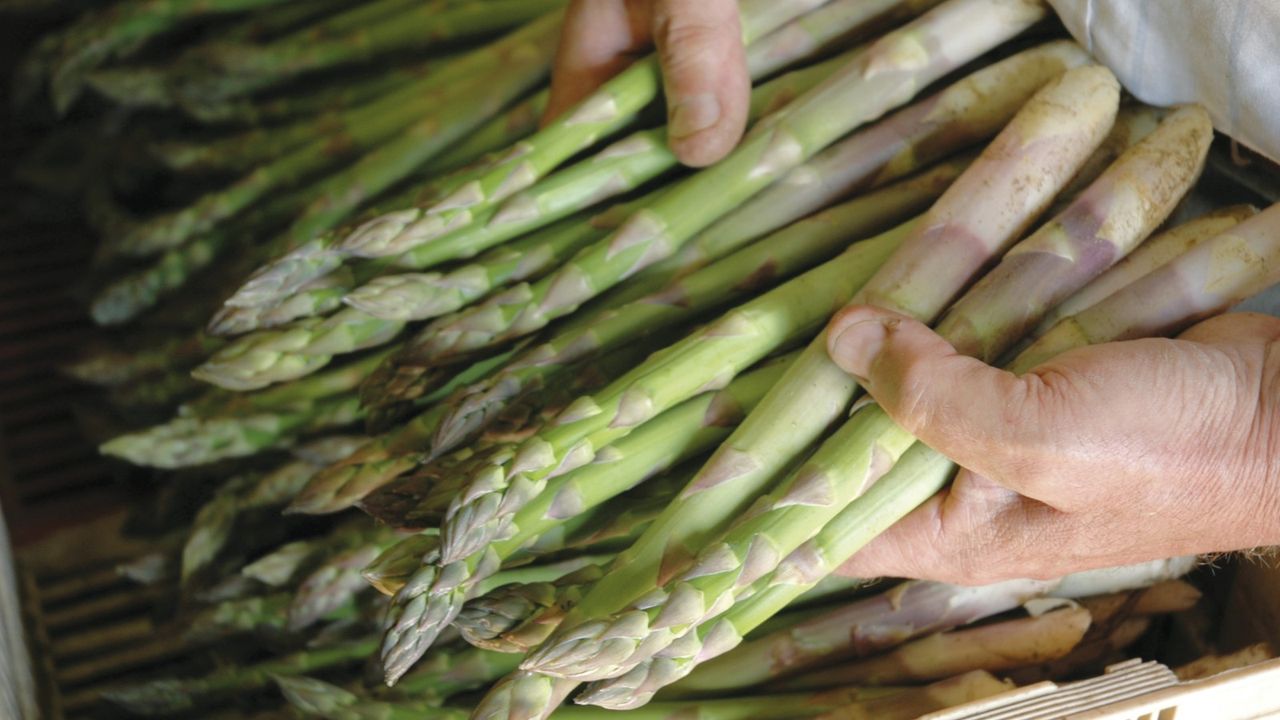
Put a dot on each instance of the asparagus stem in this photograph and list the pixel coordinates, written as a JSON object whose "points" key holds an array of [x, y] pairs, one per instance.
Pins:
{"points": [[390, 456], [531, 44], [1110, 218], [1087, 97], [906, 611], [1148, 256], [685, 431], [114, 31], [907, 140], [995, 647], [606, 111], [1206, 280], [868, 86], [235, 69], [161, 697]]}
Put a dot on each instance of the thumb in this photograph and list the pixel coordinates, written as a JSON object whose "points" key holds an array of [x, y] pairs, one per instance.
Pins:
{"points": [[704, 69], [963, 408]]}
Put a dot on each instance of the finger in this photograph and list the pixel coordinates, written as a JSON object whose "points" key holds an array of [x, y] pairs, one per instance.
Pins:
{"points": [[1234, 328], [599, 39], [704, 69], [982, 418]]}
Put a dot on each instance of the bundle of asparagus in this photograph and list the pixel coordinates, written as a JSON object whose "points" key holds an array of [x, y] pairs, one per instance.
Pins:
{"points": [[578, 394]]}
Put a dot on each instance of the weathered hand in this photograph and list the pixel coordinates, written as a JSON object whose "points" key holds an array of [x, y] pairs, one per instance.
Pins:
{"points": [[1106, 455], [699, 44]]}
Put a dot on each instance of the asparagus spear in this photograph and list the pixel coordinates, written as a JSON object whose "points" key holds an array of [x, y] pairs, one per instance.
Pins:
{"points": [[906, 611], [995, 647], [1148, 256], [606, 111], [212, 527], [242, 151], [278, 567], [235, 69], [685, 431], [160, 697], [922, 472], [129, 296], [965, 113], [333, 584], [1206, 280], [318, 256], [187, 441], [1116, 213], [331, 702], [709, 357], [1243, 274], [1087, 98], [398, 452], [527, 50], [1112, 216], [712, 355], [486, 619], [920, 702], [614, 170], [113, 31], [867, 87], [311, 342], [812, 33], [780, 255]]}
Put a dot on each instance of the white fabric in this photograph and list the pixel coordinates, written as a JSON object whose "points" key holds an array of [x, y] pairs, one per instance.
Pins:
{"points": [[1224, 54]]}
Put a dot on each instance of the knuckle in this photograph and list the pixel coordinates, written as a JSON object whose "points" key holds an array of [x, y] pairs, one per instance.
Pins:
{"points": [[911, 393]]}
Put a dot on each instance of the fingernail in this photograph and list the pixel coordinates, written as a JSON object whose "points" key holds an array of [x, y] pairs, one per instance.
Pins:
{"points": [[692, 115], [856, 347]]}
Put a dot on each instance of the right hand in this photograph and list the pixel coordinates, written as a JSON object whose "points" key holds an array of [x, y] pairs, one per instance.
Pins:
{"points": [[704, 67], [1106, 455]]}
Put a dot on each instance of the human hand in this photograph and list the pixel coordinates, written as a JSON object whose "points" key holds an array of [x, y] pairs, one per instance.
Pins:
{"points": [[704, 65], [1106, 455]]}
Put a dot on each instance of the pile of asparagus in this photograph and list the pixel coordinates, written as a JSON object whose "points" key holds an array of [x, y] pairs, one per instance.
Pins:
{"points": [[547, 413]]}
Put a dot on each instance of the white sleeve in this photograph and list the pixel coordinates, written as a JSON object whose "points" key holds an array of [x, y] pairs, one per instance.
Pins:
{"points": [[1224, 54]]}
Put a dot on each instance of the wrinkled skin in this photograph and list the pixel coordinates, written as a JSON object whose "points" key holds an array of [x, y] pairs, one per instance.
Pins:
{"points": [[1106, 455], [699, 45]]}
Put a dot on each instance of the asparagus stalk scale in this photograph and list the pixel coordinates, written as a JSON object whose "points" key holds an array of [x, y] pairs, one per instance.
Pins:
{"points": [[863, 90], [1062, 123]]}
